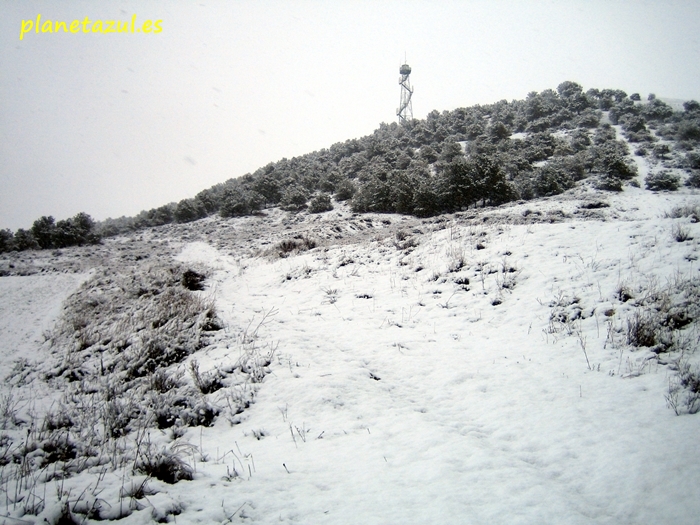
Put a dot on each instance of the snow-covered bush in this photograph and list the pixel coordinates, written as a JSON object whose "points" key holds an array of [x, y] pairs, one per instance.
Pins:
{"points": [[294, 198], [320, 203], [164, 465], [662, 180], [344, 190], [608, 183], [693, 181]]}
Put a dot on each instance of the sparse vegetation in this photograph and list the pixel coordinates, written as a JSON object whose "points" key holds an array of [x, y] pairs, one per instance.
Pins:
{"points": [[686, 210], [296, 244], [118, 352]]}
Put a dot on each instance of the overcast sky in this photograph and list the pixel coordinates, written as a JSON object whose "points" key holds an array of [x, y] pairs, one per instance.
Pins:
{"points": [[112, 124]]}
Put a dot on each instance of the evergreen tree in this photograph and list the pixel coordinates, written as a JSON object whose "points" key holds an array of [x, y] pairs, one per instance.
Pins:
{"points": [[43, 231], [24, 240], [6, 240]]}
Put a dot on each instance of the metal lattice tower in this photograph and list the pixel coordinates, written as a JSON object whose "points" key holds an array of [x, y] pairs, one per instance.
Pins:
{"points": [[405, 111]]}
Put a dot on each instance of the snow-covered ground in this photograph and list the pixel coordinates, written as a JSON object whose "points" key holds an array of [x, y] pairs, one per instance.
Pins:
{"points": [[469, 369]]}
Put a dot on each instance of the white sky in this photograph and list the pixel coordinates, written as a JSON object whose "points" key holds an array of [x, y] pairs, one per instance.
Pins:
{"points": [[112, 124]]}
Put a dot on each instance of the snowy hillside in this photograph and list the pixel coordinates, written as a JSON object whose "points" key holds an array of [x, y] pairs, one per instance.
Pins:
{"points": [[530, 363]]}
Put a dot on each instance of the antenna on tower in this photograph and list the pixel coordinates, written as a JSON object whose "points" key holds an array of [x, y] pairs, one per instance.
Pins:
{"points": [[405, 111]]}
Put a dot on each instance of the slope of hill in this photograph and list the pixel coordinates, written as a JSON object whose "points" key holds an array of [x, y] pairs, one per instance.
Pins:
{"points": [[464, 362], [481, 155], [534, 362]]}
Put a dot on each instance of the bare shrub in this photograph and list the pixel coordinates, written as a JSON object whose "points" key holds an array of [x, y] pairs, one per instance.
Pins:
{"points": [[117, 413], [594, 205], [66, 517], [685, 210], [624, 293], [56, 420], [693, 181], [457, 258], [566, 309], [296, 244], [164, 465], [198, 413], [690, 379], [193, 280], [138, 491], [165, 412], [642, 329], [680, 234], [206, 383], [664, 321], [683, 394], [287, 246], [254, 361], [403, 241], [8, 410], [163, 382], [58, 447]]}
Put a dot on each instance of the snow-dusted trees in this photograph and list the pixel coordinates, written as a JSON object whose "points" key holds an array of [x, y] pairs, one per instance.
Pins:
{"points": [[294, 198], [78, 230], [43, 231], [24, 240], [446, 161], [6, 238], [75, 231], [188, 210], [236, 203]]}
